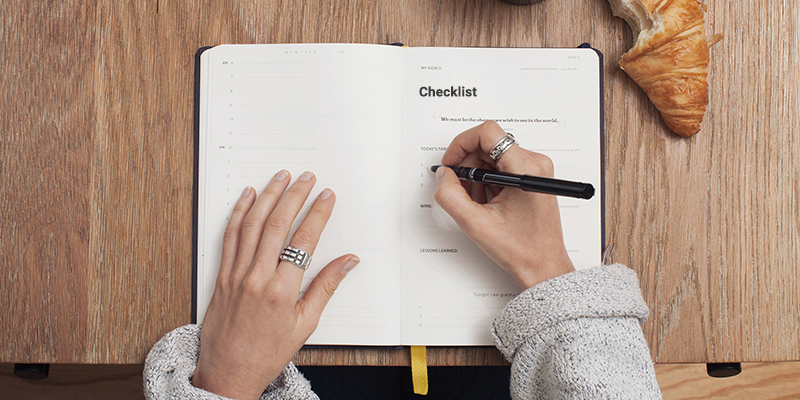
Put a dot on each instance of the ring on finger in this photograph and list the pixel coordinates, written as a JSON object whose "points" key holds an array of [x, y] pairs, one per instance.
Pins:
{"points": [[296, 256], [502, 146]]}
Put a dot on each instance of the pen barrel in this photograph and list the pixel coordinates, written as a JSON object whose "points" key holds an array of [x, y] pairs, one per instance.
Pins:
{"points": [[528, 183], [558, 187]]}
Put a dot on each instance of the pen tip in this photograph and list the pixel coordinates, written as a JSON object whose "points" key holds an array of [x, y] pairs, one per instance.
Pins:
{"points": [[435, 167]]}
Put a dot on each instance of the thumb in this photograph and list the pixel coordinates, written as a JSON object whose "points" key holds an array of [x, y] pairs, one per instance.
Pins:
{"points": [[323, 286], [454, 199]]}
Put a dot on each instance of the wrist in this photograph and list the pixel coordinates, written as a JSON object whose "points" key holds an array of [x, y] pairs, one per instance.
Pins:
{"points": [[224, 386], [534, 275]]}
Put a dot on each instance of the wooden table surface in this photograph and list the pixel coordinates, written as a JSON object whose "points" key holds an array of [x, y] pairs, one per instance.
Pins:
{"points": [[96, 160]]}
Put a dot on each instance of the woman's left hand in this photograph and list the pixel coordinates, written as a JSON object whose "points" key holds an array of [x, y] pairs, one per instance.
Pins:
{"points": [[255, 324]]}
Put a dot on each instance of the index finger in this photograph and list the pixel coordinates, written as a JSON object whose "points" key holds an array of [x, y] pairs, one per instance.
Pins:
{"points": [[481, 139]]}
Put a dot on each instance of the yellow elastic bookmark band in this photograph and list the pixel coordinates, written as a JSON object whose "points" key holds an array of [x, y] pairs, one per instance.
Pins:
{"points": [[419, 370]]}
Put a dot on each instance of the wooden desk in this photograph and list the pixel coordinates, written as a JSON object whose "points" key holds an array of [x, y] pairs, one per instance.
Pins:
{"points": [[96, 150]]}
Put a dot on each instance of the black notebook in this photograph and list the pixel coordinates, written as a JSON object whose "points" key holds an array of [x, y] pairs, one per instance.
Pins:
{"points": [[369, 121]]}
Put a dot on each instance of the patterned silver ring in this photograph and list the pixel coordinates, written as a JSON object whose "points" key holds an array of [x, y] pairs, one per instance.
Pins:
{"points": [[501, 146], [296, 256]]}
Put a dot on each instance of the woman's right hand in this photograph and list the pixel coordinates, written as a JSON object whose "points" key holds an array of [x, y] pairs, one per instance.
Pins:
{"points": [[520, 231]]}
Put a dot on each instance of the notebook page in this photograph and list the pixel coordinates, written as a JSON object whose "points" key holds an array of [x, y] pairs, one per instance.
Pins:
{"points": [[330, 109], [550, 100]]}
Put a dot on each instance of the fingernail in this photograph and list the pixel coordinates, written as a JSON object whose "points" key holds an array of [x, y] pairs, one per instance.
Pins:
{"points": [[351, 264], [246, 191], [281, 175], [306, 176], [439, 173], [325, 194]]}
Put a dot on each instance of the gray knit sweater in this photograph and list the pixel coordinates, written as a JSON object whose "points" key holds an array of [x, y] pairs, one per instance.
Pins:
{"points": [[576, 336]]}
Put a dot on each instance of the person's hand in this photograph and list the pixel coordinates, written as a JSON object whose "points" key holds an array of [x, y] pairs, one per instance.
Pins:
{"points": [[255, 323], [520, 231]]}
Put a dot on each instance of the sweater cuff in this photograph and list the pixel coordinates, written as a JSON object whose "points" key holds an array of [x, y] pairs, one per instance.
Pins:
{"points": [[173, 359], [602, 292]]}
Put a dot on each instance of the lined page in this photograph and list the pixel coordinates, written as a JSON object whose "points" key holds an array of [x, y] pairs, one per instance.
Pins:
{"points": [[330, 109], [550, 100]]}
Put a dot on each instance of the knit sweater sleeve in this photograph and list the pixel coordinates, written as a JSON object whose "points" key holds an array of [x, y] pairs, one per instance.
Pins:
{"points": [[578, 336], [172, 360]]}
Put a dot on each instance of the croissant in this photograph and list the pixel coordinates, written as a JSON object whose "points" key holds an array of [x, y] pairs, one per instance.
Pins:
{"points": [[669, 60]]}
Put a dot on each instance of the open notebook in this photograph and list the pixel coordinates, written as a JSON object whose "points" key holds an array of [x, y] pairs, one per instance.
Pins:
{"points": [[369, 121]]}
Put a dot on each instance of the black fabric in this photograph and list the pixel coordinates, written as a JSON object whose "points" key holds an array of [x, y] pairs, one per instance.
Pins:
{"points": [[394, 383]]}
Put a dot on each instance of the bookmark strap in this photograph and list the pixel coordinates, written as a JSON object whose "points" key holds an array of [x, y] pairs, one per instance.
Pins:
{"points": [[419, 370]]}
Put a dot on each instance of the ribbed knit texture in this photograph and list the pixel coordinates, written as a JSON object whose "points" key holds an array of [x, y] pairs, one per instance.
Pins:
{"points": [[578, 336]]}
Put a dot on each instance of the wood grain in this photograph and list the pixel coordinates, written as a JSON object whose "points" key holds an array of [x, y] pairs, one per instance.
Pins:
{"points": [[96, 153], [756, 381], [141, 238], [46, 131], [435, 356]]}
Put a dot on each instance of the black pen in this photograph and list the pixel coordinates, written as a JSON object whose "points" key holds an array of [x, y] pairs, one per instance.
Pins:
{"points": [[528, 183]]}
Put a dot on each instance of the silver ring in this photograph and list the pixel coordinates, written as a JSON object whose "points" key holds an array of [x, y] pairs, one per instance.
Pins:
{"points": [[501, 146], [296, 256]]}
